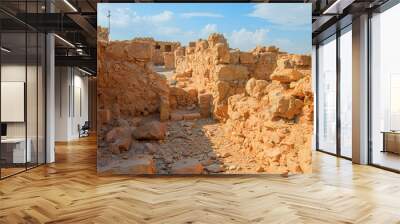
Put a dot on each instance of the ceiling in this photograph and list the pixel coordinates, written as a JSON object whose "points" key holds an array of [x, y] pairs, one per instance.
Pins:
{"points": [[75, 22]]}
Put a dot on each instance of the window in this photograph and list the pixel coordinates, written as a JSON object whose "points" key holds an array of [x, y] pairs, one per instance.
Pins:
{"points": [[326, 136], [346, 92], [385, 89]]}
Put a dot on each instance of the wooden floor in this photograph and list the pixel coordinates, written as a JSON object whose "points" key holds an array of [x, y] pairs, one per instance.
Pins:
{"points": [[70, 191]]}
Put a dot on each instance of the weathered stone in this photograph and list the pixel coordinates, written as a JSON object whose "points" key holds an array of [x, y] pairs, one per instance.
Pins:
{"points": [[205, 104], [164, 110], [231, 72], [120, 138], [234, 56], [176, 116], [169, 60], [187, 166], [222, 53], [201, 45], [285, 106], [246, 58], [216, 38], [286, 75], [256, 88], [130, 50], [140, 164], [153, 130], [191, 116], [215, 168], [302, 60]]}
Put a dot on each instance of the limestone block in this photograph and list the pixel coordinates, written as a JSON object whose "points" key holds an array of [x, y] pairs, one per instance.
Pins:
{"points": [[234, 56], [191, 116], [222, 53], [246, 58], [205, 104], [256, 88], [169, 60], [286, 75], [230, 72], [164, 110], [285, 106], [153, 130], [139, 164], [130, 50], [187, 166]]}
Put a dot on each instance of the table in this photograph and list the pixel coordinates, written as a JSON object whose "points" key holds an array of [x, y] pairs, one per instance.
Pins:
{"points": [[13, 150], [391, 141]]}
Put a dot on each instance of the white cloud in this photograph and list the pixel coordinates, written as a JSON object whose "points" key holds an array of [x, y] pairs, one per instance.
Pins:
{"points": [[201, 14], [160, 18], [208, 29], [124, 17], [246, 40], [297, 15]]}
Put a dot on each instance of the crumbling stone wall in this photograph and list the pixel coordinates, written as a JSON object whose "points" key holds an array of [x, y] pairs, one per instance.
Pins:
{"points": [[127, 85], [162, 51], [263, 98], [216, 69], [272, 122]]}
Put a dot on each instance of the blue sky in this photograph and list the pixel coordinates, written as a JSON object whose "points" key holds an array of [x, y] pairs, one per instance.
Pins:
{"points": [[245, 25]]}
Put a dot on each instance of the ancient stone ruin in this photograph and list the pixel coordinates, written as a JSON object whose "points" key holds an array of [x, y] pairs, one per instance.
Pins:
{"points": [[204, 108]]}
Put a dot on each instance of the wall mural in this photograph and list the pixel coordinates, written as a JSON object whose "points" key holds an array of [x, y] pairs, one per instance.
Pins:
{"points": [[204, 88]]}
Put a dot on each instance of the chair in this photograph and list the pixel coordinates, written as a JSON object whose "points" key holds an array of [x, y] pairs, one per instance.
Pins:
{"points": [[84, 130]]}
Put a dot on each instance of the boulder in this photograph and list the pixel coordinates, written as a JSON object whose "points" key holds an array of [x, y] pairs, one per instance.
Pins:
{"points": [[119, 135], [215, 168], [285, 106], [187, 166], [139, 164], [153, 130], [256, 88]]}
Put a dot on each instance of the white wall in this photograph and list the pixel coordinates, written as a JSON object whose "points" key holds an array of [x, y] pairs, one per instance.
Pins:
{"points": [[70, 83]]}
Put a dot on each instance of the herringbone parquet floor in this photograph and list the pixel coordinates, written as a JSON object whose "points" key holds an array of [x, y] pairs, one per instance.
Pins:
{"points": [[70, 191]]}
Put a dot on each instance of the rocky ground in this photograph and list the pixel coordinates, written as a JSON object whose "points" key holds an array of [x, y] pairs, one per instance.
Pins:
{"points": [[190, 146]]}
